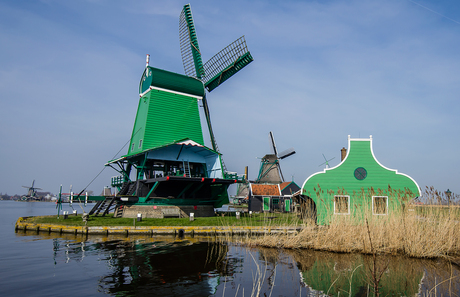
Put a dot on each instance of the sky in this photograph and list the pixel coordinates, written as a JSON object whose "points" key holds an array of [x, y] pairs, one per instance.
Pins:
{"points": [[322, 70]]}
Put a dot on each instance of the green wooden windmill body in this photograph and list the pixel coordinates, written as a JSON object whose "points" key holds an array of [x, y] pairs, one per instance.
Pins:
{"points": [[359, 186], [167, 111], [167, 151], [167, 162]]}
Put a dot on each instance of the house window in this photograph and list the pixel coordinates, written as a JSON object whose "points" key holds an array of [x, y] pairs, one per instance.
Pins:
{"points": [[379, 205], [360, 173], [275, 201], [341, 204], [140, 143]]}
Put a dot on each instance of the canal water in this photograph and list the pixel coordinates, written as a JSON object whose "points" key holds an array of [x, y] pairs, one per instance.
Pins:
{"points": [[48, 264]]}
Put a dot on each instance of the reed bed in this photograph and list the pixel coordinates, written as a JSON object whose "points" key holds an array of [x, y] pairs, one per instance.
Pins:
{"points": [[411, 230]]}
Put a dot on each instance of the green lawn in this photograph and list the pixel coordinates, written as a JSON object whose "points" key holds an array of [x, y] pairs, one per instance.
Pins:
{"points": [[274, 219]]}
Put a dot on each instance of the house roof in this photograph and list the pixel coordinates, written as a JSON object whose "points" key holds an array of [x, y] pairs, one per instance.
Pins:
{"points": [[261, 189], [359, 170], [286, 184], [288, 188]]}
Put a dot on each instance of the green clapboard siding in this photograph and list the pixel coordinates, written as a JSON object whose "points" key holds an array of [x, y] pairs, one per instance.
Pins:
{"points": [[163, 118], [340, 180]]}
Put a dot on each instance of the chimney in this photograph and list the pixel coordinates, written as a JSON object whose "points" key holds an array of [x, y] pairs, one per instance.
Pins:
{"points": [[343, 152], [147, 60]]}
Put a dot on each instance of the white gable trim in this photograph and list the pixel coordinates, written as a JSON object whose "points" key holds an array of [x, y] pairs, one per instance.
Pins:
{"points": [[372, 152], [169, 91]]}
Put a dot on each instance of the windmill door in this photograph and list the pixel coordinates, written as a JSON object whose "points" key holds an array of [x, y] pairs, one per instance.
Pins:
{"points": [[287, 205], [266, 201]]}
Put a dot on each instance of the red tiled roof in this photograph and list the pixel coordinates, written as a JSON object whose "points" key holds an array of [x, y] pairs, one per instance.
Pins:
{"points": [[271, 190], [284, 185]]}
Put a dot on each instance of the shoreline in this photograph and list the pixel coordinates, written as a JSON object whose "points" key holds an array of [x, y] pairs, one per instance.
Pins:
{"points": [[22, 224], [369, 239]]}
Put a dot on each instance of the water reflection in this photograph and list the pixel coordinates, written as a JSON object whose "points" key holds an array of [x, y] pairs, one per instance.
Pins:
{"points": [[204, 266], [168, 269], [153, 267], [362, 275]]}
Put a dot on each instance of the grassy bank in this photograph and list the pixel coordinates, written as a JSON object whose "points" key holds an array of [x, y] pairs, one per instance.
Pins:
{"points": [[229, 219]]}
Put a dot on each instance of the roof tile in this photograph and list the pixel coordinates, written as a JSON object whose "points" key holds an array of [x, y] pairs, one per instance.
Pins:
{"points": [[272, 190]]}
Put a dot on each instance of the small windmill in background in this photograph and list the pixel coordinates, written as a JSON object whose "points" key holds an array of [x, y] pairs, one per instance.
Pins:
{"points": [[326, 161], [32, 191], [270, 169]]}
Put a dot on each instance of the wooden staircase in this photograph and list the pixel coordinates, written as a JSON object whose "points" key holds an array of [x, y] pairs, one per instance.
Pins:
{"points": [[118, 213], [124, 189], [103, 206], [186, 168]]}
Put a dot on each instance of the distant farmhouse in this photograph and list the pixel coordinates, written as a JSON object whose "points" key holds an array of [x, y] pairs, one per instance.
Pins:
{"points": [[358, 186], [269, 192], [272, 197]]}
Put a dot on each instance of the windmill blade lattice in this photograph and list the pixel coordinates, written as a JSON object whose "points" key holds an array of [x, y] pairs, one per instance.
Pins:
{"points": [[190, 50], [286, 153], [226, 63], [221, 66]]}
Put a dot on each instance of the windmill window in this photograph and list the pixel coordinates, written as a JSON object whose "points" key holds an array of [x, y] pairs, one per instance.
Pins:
{"points": [[132, 147], [379, 205], [341, 204], [140, 143]]}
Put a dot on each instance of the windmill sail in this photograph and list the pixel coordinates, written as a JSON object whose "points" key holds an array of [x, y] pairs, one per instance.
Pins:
{"points": [[286, 153], [218, 69], [221, 66], [272, 142], [191, 55], [226, 63]]}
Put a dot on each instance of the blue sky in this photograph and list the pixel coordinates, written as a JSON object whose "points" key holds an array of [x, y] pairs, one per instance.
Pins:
{"points": [[322, 70]]}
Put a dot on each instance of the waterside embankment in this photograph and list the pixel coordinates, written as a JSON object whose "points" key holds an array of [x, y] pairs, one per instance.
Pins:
{"points": [[24, 224]]}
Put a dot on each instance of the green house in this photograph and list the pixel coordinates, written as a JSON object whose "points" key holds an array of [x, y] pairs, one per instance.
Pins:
{"points": [[358, 186]]}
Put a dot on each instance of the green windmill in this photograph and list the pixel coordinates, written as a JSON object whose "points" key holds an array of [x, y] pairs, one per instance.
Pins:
{"points": [[168, 166]]}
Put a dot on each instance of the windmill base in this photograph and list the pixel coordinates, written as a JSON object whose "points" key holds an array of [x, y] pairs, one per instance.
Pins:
{"points": [[160, 212]]}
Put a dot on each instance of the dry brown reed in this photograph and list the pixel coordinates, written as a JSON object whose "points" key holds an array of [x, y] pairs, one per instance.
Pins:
{"points": [[421, 231]]}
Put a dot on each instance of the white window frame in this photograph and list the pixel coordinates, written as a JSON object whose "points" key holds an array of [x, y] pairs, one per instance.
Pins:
{"points": [[386, 209], [342, 213]]}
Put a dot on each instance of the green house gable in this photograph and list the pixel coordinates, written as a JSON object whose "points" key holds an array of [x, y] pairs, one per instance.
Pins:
{"points": [[358, 184]]}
